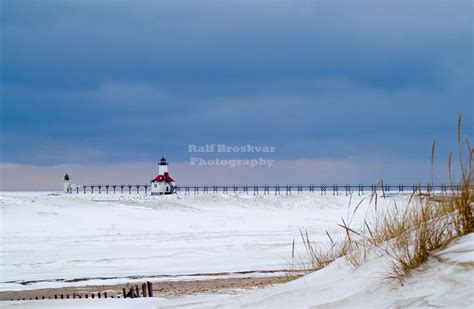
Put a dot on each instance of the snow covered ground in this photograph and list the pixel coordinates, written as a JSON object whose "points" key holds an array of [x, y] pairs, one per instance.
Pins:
{"points": [[50, 238], [446, 280]]}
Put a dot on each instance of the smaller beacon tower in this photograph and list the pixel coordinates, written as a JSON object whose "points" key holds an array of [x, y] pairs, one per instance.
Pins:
{"points": [[67, 184], [163, 183]]}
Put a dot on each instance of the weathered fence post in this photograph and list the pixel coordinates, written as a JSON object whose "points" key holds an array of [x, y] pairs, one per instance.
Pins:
{"points": [[124, 293], [150, 288], [144, 289]]}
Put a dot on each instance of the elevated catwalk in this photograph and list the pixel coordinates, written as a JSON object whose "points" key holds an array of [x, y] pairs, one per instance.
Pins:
{"points": [[268, 189]]}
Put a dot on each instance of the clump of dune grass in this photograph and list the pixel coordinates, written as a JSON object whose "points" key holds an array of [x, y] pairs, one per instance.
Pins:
{"points": [[409, 234], [320, 255]]}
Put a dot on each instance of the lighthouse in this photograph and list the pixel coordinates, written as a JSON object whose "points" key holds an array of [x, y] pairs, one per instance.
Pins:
{"points": [[163, 183], [67, 184]]}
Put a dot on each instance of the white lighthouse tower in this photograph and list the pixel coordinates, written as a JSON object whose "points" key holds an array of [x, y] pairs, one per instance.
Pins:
{"points": [[67, 184], [162, 166], [163, 183]]}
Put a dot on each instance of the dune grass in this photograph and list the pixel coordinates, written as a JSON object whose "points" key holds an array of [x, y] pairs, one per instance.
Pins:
{"points": [[406, 234]]}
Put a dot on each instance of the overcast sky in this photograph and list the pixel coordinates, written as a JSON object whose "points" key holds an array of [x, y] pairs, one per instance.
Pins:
{"points": [[347, 91]]}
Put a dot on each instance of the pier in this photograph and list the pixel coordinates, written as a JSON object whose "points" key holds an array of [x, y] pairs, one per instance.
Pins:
{"points": [[322, 189]]}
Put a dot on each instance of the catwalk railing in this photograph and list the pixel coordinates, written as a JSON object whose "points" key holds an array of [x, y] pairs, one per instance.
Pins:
{"points": [[268, 189]]}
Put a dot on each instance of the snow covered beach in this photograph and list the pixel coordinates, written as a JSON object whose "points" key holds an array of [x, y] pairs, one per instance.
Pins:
{"points": [[52, 239]]}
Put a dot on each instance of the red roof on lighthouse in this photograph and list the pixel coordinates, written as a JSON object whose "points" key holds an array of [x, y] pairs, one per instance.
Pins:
{"points": [[166, 178]]}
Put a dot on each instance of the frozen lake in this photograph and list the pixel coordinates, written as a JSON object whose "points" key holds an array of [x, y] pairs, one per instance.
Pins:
{"points": [[50, 238]]}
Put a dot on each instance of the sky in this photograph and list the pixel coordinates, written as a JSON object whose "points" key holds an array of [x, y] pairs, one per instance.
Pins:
{"points": [[344, 91]]}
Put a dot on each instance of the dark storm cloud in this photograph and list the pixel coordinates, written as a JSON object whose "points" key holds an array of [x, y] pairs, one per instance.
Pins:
{"points": [[94, 81], [178, 44]]}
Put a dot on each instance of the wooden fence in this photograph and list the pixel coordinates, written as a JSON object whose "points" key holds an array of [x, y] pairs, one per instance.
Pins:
{"points": [[131, 291]]}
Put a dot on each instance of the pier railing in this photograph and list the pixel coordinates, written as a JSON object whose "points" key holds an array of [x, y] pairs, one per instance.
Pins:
{"points": [[323, 189]]}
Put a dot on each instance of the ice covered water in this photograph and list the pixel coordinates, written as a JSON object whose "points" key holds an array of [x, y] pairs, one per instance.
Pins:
{"points": [[49, 236]]}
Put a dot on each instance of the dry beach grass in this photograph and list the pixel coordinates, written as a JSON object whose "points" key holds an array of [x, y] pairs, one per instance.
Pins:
{"points": [[406, 234]]}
